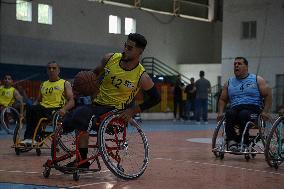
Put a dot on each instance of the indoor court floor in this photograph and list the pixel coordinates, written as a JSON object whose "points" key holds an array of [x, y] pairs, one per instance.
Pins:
{"points": [[180, 157]]}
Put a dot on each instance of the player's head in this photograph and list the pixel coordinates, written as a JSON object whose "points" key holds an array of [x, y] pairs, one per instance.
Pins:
{"points": [[8, 80], [53, 70], [240, 67], [134, 46]]}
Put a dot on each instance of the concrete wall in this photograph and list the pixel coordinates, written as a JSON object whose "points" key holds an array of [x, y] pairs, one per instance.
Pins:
{"points": [[79, 36], [265, 53]]}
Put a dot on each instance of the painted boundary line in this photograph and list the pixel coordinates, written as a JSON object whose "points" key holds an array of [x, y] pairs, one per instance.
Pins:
{"points": [[219, 165]]}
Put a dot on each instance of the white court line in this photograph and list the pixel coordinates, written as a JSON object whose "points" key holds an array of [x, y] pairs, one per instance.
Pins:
{"points": [[226, 166], [91, 184]]}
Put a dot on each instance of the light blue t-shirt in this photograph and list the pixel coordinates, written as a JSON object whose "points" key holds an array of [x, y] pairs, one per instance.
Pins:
{"points": [[244, 91]]}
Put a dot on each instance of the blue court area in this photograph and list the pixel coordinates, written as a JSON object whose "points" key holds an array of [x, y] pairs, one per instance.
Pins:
{"points": [[163, 126], [169, 125], [24, 186]]}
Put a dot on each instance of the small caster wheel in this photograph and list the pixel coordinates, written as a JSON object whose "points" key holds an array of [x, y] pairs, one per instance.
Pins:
{"points": [[17, 150], [76, 176], [275, 166], [46, 172], [253, 156], [222, 156], [247, 157], [38, 152]]}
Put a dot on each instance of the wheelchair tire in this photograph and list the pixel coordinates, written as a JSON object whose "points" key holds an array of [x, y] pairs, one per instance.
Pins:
{"points": [[218, 141], [18, 132], [264, 129], [274, 149], [9, 125], [63, 146], [124, 148]]}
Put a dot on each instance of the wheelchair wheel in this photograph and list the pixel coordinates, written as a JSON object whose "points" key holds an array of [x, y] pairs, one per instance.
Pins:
{"points": [[124, 148], [9, 119], [63, 149], [218, 140], [264, 129], [19, 136], [274, 149]]}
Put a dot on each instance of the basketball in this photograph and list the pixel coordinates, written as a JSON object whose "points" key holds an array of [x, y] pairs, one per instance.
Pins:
{"points": [[85, 83]]}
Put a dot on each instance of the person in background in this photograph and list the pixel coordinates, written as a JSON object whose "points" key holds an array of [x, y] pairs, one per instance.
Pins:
{"points": [[178, 108], [55, 94], [190, 102], [246, 93], [203, 88]]}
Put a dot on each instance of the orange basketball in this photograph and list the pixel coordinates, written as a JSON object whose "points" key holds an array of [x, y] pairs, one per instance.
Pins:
{"points": [[85, 83]]}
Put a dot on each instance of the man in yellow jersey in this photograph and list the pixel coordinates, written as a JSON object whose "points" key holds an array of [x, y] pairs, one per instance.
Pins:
{"points": [[55, 94], [122, 76], [8, 94]]}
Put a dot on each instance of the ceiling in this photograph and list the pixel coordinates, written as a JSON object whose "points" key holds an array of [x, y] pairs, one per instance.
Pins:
{"points": [[190, 8]]}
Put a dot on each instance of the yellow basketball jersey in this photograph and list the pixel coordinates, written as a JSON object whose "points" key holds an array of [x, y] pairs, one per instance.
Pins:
{"points": [[53, 94], [118, 87], [7, 96]]}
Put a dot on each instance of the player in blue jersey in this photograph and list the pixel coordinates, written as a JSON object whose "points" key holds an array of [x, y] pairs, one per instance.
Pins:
{"points": [[247, 94]]}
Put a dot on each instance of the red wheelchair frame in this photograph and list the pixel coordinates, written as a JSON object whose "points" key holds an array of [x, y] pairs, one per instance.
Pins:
{"points": [[114, 139]]}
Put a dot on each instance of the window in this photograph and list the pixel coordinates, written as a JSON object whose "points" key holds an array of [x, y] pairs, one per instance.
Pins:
{"points": [[130, 26], [44, 14], [114, 24], [249, 30], [24, 10]]}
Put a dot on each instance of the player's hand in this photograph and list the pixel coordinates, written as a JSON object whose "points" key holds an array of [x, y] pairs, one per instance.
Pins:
{"points": [[127, 114], [220, 116], [266, 116], [62, 112], [21, 116]]}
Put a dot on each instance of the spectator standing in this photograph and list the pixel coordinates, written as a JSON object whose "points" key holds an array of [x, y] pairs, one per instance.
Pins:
{"points": [[190, 102], [178, 99], [203, 88]]}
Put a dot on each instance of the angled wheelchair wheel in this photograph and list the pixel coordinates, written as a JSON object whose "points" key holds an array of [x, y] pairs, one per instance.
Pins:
{"points": [[218, 140], [124, 147], [63, 149], [9, 119], [274, 149], [19, 136], [264, 127]]}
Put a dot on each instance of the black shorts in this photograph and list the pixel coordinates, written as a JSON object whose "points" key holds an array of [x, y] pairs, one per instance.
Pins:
{"points": [[80, 117]]}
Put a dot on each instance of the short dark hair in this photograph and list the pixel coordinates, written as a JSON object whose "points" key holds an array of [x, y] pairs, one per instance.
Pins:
{"points": [[201, 73], [53, 62], [242, 58], [140, 40]]}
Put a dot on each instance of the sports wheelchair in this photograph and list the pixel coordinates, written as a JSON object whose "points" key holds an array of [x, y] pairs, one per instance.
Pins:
{"points": [[274, 149], [42, 136], [10, 118], [123, 147], [258, 131]]}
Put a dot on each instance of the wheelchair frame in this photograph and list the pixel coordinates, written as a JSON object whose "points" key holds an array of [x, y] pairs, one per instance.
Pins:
{"points": [[42, 135], [274, 149], [220, 146], [111, 148]]}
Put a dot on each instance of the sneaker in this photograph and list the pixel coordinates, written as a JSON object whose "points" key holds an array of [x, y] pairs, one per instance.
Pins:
{"points": [[197, 122], [26, 142], [233, 146], [206, 122], [85, 165]]}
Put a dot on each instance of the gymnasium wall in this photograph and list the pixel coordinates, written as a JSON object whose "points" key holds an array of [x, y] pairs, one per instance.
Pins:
{"points": [[79, 36]]}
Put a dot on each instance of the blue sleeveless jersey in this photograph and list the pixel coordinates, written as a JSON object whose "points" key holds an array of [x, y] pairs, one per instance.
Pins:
{"points": [[244, 91]]}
